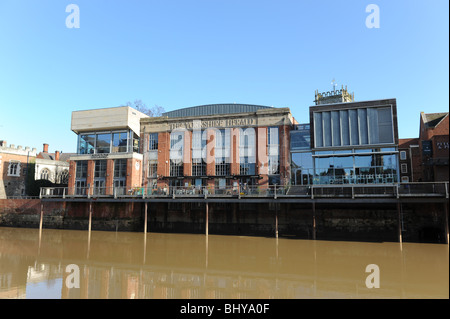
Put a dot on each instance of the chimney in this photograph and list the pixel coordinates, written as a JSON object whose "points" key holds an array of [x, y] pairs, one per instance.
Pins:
{"points": [[2, 143], [56, 155], [45, 148]]}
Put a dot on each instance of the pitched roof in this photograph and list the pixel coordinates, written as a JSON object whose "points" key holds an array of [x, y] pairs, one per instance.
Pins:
{"points": [[432, 120], [63, 157]]}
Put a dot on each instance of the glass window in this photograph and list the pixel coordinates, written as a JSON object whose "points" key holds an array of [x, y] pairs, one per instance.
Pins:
{"points": [[152, 168], [103, 142], [120, 168], [222, 168], [300, 140], [303, 160], [119, 142], [246, 167], [100, 169], [389, 161], [87, 144], [81, 171], [343, 161], [402, 155], [198, 167], [274, 164], [176, 168], [363, 161], [324, 162], [135, 142], [45, 174], [404, 168], [153, 141]]}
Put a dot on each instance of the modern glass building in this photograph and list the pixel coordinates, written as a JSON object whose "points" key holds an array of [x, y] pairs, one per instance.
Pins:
{"points": [[347, 143]]}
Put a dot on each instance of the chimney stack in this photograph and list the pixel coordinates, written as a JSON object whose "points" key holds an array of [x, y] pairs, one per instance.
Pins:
{"points": [[45, 148], [3, 143], [56, 155]]}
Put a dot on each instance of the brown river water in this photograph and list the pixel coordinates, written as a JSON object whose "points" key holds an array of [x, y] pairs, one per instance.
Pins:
{"points": [[60, 264]]}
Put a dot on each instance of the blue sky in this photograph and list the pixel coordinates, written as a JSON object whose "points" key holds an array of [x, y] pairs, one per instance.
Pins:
{"points": [[177, 54]]}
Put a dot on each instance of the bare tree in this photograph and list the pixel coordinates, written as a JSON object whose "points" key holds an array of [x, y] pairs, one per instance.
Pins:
{"points": [[141, 107]]}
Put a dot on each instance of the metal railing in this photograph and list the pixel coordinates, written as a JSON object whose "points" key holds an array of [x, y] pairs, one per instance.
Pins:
{"points": [[438, 189]]}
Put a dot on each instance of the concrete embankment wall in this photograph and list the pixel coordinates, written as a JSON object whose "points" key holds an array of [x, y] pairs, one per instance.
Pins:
{"points": [[420, 222]]}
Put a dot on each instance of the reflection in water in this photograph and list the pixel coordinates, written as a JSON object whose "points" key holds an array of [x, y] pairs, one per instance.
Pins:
{"points": [[135, 265]]}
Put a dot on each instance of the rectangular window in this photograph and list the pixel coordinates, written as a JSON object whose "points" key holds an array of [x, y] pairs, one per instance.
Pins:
{"points": [[120, 168], [152, 168], [403, 155], [222, 168], [176, 168], [404, 168], [100, 169], [119, 142], [86, 144], [274, 165], [198, 167], [81, 172], [246, 168], [153, 141], [14, 169], [103, 143]]}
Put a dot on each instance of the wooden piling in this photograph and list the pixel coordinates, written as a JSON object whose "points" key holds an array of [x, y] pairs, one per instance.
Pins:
{"points": [[90, 216], [41, 217], [399, 211], [446, 221], [206, 220], [145, 218], [314, 219], [276, 220]]}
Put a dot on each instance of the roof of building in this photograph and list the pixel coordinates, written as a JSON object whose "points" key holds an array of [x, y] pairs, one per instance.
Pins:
{"points": [[63, 157], [214, 109], [432, 120]]}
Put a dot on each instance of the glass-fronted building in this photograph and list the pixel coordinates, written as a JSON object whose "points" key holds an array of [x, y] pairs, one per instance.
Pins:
{"points": [[108, 160], [347, 143]]}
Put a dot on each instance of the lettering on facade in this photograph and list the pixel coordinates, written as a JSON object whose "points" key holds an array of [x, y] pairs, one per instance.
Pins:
{"points": [[99, 155], [214, 123]]}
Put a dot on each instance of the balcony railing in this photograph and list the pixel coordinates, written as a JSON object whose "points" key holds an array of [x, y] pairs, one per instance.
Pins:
{"points": [[438, 189]]}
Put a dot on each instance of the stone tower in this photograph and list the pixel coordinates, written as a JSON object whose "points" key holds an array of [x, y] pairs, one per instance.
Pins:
{"points": [[334, 96]]}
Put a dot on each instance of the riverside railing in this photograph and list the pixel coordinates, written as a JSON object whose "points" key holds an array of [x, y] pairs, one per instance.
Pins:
{"points": [[437, 189]]}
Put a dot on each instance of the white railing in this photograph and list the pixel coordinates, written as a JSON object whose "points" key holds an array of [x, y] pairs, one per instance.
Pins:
{"points": [[272, 191]]}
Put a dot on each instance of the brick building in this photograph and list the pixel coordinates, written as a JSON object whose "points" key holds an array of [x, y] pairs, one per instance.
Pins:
{"points": [[219, 145], [53, 167], [108, 158], [434, 146], [13, 169], [410, 160]]}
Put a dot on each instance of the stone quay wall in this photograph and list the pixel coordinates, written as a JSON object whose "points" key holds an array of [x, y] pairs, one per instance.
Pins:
{"points": [[419, 222]]}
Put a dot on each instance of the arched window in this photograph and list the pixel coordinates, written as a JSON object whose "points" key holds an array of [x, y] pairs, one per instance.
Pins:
{"points": [[63, 177], [45, 174]]}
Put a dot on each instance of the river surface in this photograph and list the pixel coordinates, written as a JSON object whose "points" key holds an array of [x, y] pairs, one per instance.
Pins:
{"points": [[73, 264]]}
